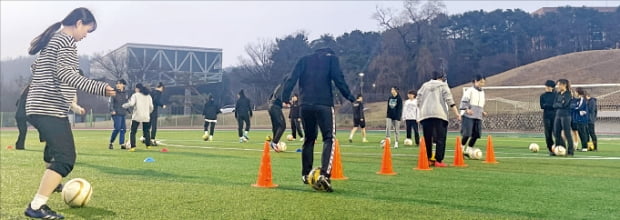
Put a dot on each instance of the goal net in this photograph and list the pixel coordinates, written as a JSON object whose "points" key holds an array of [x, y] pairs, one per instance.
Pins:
{"points": [[517, 108]]}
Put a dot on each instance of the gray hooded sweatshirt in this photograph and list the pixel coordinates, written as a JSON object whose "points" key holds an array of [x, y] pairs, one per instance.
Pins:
{"points": [[434, 99]]}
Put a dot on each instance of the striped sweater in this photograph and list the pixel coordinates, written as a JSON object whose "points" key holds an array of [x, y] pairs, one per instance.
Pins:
{"points": [[55, 79]]}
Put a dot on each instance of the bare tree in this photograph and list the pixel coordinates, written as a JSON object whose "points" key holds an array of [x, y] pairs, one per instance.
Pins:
{"points": [[112, 66], [257, 64]]}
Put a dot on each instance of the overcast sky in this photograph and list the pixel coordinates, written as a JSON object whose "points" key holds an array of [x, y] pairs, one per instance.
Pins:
{"points": [[229, 25]]}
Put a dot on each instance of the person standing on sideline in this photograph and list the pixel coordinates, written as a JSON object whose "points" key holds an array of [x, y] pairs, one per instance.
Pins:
{"points": [[156, 96], [581, 118], [358, 119], [434, 99], [592, 114], [118, 114], [562, 120], [546, 104], [295, 116], [315, 73], [243, 113], [52, 90], [210, 112], [410, 115], [142, 106], [21, 119], [278, 123], [394, 114], [472, 111], [574, 103]]}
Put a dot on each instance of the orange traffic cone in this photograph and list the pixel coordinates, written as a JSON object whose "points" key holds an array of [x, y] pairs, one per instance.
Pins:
{"points": [[386, 163], [458, 154], [490, 152], [423, 163], [337, 172], [264, 171]]}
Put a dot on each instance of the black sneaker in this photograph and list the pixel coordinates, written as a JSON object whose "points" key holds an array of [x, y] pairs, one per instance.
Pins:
{"points": [[325, 184], [58, 188], [44, 213], [350, 141], [111, 146]]}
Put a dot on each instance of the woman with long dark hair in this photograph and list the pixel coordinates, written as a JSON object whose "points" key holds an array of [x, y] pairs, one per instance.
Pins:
{"points": [[142, 105], [562, 120], [55, 78]]}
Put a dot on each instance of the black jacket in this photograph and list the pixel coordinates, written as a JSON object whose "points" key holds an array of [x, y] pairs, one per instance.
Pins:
{"points": [[295, 110], [395, 107], [156, 96], [546, 103], [211, 110], [314, 74], [562, 104], [592, 110], [117, 101], [243, 107], [358, 110]]}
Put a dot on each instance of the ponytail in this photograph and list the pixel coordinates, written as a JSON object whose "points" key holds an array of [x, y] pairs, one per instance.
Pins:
{"points": [[41, 41], [78, 14]]}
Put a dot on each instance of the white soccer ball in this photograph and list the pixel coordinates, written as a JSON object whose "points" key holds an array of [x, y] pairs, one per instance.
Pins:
{"points": [[534, 147], [475, 154], [142, 139], [205, 137], [76, 192], [282, 146], [559, 150], [408, 142], [382, 144], [290, 137]]}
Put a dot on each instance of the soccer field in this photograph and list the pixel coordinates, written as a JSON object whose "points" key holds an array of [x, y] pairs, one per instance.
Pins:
{"points": [[211, 180]]}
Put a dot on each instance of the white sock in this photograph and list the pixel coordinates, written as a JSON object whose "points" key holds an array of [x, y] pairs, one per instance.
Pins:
{"points": [[350, 136], [38, 201], [206, 132]]}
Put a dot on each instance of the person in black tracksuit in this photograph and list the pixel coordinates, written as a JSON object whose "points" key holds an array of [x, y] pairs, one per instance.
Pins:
{"points": [[315, 73], [21, 120], [562, 120], [358, 119], [278, 123], [210, 112], [157, 102], [243, 113], [295, 116], [593, 112], [546, 103]]}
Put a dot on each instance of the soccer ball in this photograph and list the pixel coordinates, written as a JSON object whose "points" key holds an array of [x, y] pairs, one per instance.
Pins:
{"points": [[559, 150], [382, 144], [408, 142], [77, 192], [205, 137], [590, 146], [534, 147], [290, 137], [142, 139], [475, 154], [243, 140], [313, 179], [281, 146]]}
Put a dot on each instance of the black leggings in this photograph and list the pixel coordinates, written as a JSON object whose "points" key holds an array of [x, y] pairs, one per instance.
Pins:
{"points": [[592, 135], [278, 123], [413, 125], [562, 123], [240, 120], [321, 117], [296, 127], [435, 131], [210, 126], [145, 133]]}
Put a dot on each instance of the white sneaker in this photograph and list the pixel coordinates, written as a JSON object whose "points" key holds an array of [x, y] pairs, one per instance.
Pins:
{"points": [[364, 140], [395, 145], [301, 139], [584, 149]]}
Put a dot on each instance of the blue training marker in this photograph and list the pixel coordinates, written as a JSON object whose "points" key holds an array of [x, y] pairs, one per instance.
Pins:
{"points": [[298, 150], [149, 160]]}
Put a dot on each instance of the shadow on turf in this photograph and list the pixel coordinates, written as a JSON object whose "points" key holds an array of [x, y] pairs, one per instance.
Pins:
{"points": [[89, 213], [136, 172]]}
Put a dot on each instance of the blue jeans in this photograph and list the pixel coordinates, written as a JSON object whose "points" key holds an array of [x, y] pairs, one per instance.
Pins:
{"points": [[119, 127]]}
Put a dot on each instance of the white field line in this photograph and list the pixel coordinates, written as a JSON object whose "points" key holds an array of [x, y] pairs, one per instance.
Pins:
{"points": [[379, 153]]}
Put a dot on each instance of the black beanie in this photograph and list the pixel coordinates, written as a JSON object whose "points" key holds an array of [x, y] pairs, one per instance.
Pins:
{"points": [[550, 83]]}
